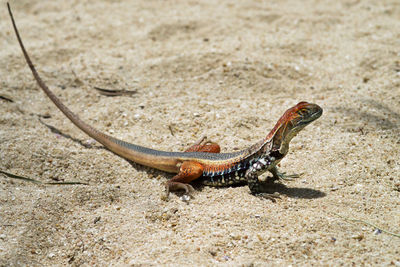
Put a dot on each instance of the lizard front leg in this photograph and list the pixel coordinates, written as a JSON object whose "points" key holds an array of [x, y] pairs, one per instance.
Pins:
{"points": [[256, 185], [189, 171]]}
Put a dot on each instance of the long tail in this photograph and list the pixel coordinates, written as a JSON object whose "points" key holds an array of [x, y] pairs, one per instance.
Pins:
{"points": [[139, 154], [89, 130]]}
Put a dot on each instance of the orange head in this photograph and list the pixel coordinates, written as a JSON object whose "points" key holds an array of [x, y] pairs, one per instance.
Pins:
{"points": [[291, 123]]}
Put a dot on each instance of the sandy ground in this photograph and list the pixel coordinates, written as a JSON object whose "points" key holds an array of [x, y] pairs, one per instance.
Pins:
{"points": [[228, 71]]}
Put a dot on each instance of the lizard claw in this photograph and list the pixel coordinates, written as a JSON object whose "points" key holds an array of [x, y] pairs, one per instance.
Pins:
{"points": [[288, 177], [269, 196]]}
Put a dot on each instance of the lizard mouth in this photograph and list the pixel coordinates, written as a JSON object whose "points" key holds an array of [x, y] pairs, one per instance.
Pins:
{"points": [[315, 115]]}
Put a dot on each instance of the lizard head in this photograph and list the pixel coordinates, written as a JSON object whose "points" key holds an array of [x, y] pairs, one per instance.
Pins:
{"points": [[291, 123]]}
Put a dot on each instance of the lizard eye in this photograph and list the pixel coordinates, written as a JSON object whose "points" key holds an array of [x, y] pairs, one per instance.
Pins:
{"points": [[302, 111]]}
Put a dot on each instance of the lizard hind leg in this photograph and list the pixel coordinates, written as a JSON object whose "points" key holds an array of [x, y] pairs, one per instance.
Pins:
{"points": [[204, 145], [189, 171]]}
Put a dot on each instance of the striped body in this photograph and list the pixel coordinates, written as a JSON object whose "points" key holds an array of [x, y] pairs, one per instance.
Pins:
{"points": [[239, 172], [233, 175]]}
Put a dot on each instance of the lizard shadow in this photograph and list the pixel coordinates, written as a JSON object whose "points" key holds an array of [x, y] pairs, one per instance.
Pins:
{"points": [[293, 192], [272, 187]]}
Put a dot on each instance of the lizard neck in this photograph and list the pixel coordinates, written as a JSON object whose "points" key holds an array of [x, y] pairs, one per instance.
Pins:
{"points": [[276, 143]]}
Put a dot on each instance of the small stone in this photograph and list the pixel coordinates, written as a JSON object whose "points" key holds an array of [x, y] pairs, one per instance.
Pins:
{"points": [[185, 198], [358, 237], [213, 252], [97, 219], [164, 197], [378, 231]]}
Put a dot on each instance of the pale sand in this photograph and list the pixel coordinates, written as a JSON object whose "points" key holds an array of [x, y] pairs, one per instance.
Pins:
{"points": [[227, 70]]}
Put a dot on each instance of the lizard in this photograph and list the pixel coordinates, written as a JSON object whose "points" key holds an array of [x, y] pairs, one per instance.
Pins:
{"points": [[203, 160]]}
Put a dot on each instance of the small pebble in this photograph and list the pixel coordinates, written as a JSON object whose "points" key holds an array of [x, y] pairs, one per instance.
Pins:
{"points": [[212, 252], [185, 198], [378, 231], [97, 219], [358, 237]]}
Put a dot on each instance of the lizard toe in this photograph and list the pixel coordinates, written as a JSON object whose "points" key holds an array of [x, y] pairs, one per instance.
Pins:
{"points": [[176, 186], [269, 196]]}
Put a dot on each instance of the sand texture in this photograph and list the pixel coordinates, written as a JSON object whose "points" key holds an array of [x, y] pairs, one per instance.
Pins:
{"points": [[225, 69]]}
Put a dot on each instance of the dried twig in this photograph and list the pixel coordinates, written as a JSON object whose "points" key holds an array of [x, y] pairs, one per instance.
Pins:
{"points": [[26, 179], [6, 98], [171, 130], [111, 92], [353, 220]]}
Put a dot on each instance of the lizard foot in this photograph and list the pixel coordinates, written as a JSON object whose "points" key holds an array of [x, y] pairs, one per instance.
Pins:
{"points": [[270, 196], [176, 186]]}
